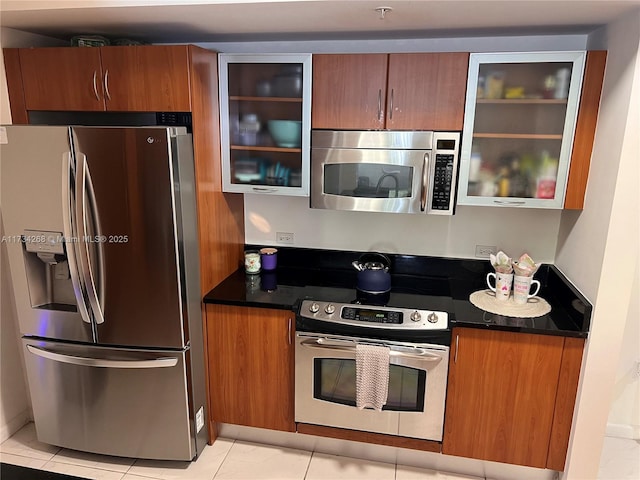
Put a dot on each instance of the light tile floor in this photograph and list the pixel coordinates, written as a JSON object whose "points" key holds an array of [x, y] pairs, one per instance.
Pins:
{"points": [[237, 460], [620, 459]]}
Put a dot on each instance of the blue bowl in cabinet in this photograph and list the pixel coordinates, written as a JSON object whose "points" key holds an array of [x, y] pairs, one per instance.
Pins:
{"points": [[286, 133]]}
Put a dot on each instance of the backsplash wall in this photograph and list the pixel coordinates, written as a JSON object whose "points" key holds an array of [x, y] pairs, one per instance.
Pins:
{"points": [[512, 230]]}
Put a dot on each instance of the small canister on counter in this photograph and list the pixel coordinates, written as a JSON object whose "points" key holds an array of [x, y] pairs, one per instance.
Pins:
{"points": [[251, 262], [269, 258]]}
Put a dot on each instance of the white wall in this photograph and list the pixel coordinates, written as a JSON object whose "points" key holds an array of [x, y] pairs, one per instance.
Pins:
{"points": [[15, 408], [624, 416], [512, 230], [14, 402], [523, 43], [598, 248]]}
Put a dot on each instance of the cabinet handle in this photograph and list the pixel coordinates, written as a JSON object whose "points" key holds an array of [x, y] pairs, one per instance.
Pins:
{"points": [[455, 356], [379, 104], [509, 202], [95, 85], [265, 190], [391, 106], [289, 332], [106, 84]]}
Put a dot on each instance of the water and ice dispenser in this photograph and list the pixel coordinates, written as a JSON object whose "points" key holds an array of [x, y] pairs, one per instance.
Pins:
{"points": [[47, 268]]}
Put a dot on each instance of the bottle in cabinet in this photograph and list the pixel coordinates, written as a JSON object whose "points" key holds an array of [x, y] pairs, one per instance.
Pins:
{"points": [[265, 109], [519, 124]]}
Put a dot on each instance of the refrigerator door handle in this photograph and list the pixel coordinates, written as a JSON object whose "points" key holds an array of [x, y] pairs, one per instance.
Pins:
{"points": [[84, 190], [162, 362], [71, 236], [102, 239]]}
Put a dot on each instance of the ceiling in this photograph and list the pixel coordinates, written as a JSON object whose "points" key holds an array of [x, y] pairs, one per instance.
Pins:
{"points": [[227, 20]]}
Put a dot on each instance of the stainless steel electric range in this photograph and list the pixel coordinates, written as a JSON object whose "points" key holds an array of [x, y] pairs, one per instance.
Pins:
{"points": [[415, 328]]}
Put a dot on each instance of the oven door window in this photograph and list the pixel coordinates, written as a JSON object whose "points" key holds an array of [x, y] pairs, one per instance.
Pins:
{"points": [[335, 381], [368, 180]]}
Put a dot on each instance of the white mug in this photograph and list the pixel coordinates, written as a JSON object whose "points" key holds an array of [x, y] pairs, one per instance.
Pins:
{"points": [[522, 288], [503, 285]]}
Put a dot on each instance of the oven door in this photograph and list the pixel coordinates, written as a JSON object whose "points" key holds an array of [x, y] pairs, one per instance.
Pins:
{"points": [[325, 374], [370, 180]]}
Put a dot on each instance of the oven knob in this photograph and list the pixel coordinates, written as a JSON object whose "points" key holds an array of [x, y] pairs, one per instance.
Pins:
{"points": [[432, 317], [329, 309], [314, 307], [415, 316]]}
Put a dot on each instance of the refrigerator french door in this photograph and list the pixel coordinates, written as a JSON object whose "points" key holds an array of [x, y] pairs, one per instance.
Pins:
{"points": [[101, 231]]}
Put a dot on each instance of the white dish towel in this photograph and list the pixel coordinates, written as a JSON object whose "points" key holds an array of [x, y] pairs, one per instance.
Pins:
{"points": [[372, 376]]}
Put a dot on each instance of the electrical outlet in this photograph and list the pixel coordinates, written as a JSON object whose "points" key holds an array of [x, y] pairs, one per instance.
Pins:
{"points": [[483, 251], [284, 237]]}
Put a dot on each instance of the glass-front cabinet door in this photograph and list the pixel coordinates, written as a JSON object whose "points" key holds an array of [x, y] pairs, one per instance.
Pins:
{"points": [[265, 121], [519, 123]]}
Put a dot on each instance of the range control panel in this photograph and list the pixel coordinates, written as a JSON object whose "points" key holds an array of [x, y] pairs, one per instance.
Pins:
{"points": [[374, 316]]}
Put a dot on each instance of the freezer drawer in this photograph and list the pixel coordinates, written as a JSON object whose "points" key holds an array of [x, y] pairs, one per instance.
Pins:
{"points": [[111, 401]]}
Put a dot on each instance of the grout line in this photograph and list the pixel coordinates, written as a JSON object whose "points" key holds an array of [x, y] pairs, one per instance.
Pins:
{"points": [[306, 472], [88, 467], [233, 442]]}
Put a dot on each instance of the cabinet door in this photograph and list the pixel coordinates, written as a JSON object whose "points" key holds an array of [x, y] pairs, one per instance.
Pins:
{"points": [[519, 125], [349, 91], [266, 138], [152, 78], [426, 91], [565, 402], [251, 366], [501, 396], [62, 79]]}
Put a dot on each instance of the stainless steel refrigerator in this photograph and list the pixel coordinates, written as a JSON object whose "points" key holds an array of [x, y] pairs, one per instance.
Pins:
{"points": [[101, 230]]}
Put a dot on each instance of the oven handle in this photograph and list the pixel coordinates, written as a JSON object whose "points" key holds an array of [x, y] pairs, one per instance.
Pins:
{"points": [[351, 347]]}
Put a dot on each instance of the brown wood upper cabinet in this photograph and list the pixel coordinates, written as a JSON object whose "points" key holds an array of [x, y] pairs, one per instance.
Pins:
{"points": [[398, 91], [504, 400], [151, 78], [250, 352]]}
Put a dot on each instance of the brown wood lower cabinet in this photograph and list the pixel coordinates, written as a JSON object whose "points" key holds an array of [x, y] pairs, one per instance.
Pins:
{"points": [[250, 360], [503, 393]]}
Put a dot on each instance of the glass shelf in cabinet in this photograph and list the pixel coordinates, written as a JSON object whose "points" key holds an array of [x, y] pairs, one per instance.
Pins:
{"points": [[243, 98], [521, 101], [258, 148], [527, 136]]}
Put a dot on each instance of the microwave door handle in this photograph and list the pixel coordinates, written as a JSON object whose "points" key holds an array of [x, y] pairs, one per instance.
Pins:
{"points": [[71, 236], [425, 183], [416, 352]]}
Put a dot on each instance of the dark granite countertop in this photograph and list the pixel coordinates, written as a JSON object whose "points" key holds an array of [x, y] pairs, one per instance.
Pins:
{"points": [[421, 282]]}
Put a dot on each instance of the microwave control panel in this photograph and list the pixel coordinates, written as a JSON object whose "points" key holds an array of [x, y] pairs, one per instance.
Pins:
{"points": [[442, 182], [444, 172]]}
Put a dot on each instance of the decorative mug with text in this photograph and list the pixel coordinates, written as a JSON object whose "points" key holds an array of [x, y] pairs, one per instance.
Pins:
{"points": [[522, 289], [503, 283]]}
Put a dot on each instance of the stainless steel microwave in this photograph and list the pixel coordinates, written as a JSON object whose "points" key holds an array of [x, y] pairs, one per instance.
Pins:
{"points": [[384, 171]]}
